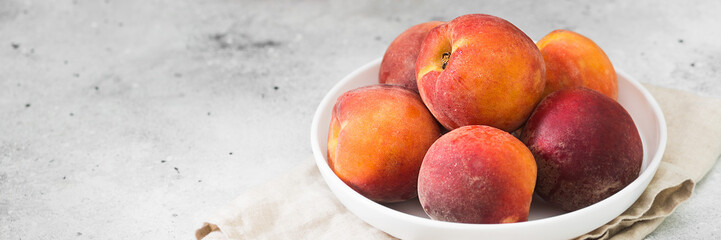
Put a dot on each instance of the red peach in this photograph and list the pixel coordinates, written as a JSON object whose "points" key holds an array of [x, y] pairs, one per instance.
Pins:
{"points": [[477, 174], [586, 147], [398, 66]]}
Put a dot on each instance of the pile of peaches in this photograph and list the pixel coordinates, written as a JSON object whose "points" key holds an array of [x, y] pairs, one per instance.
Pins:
{"points": [[472, 117]]}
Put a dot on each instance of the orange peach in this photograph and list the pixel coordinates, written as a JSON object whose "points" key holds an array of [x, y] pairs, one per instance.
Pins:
{"points": [[398, 66], [477, 174], [377, 139], [573, 60], [480, 69]]}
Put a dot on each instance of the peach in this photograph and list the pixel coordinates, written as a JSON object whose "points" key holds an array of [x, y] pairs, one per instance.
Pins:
{"points": [[377, 139], [574, 60], [586, 147], [480, 69], [398, 66], [477, 174]]}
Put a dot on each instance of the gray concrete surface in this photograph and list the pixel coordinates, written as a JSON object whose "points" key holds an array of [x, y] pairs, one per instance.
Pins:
{"points": [[135, 119]]}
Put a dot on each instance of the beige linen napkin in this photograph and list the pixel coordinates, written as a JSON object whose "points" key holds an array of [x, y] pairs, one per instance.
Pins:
{"points": [[300, 204]]}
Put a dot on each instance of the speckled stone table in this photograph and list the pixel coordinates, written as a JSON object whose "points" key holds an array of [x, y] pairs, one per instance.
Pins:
{"points": [[135, 119]]}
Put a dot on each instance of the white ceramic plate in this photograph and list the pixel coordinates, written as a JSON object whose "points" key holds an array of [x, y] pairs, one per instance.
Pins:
{"points": [[407, 220]]}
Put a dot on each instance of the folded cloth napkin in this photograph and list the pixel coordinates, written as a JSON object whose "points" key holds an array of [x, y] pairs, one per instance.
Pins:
{"points": [[300, 204]]}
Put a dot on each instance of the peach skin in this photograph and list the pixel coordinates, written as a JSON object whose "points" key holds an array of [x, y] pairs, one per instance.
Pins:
{"points": [[377, 139], [573, 60], [398, 66], [586, 146], [479, 69], [477, 174]]}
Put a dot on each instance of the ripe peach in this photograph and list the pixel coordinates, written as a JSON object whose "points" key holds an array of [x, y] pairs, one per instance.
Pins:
{"points": [[377, 139], [480, 69], [398, 66], [477, 174], [586, 146], [574, 60]]}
